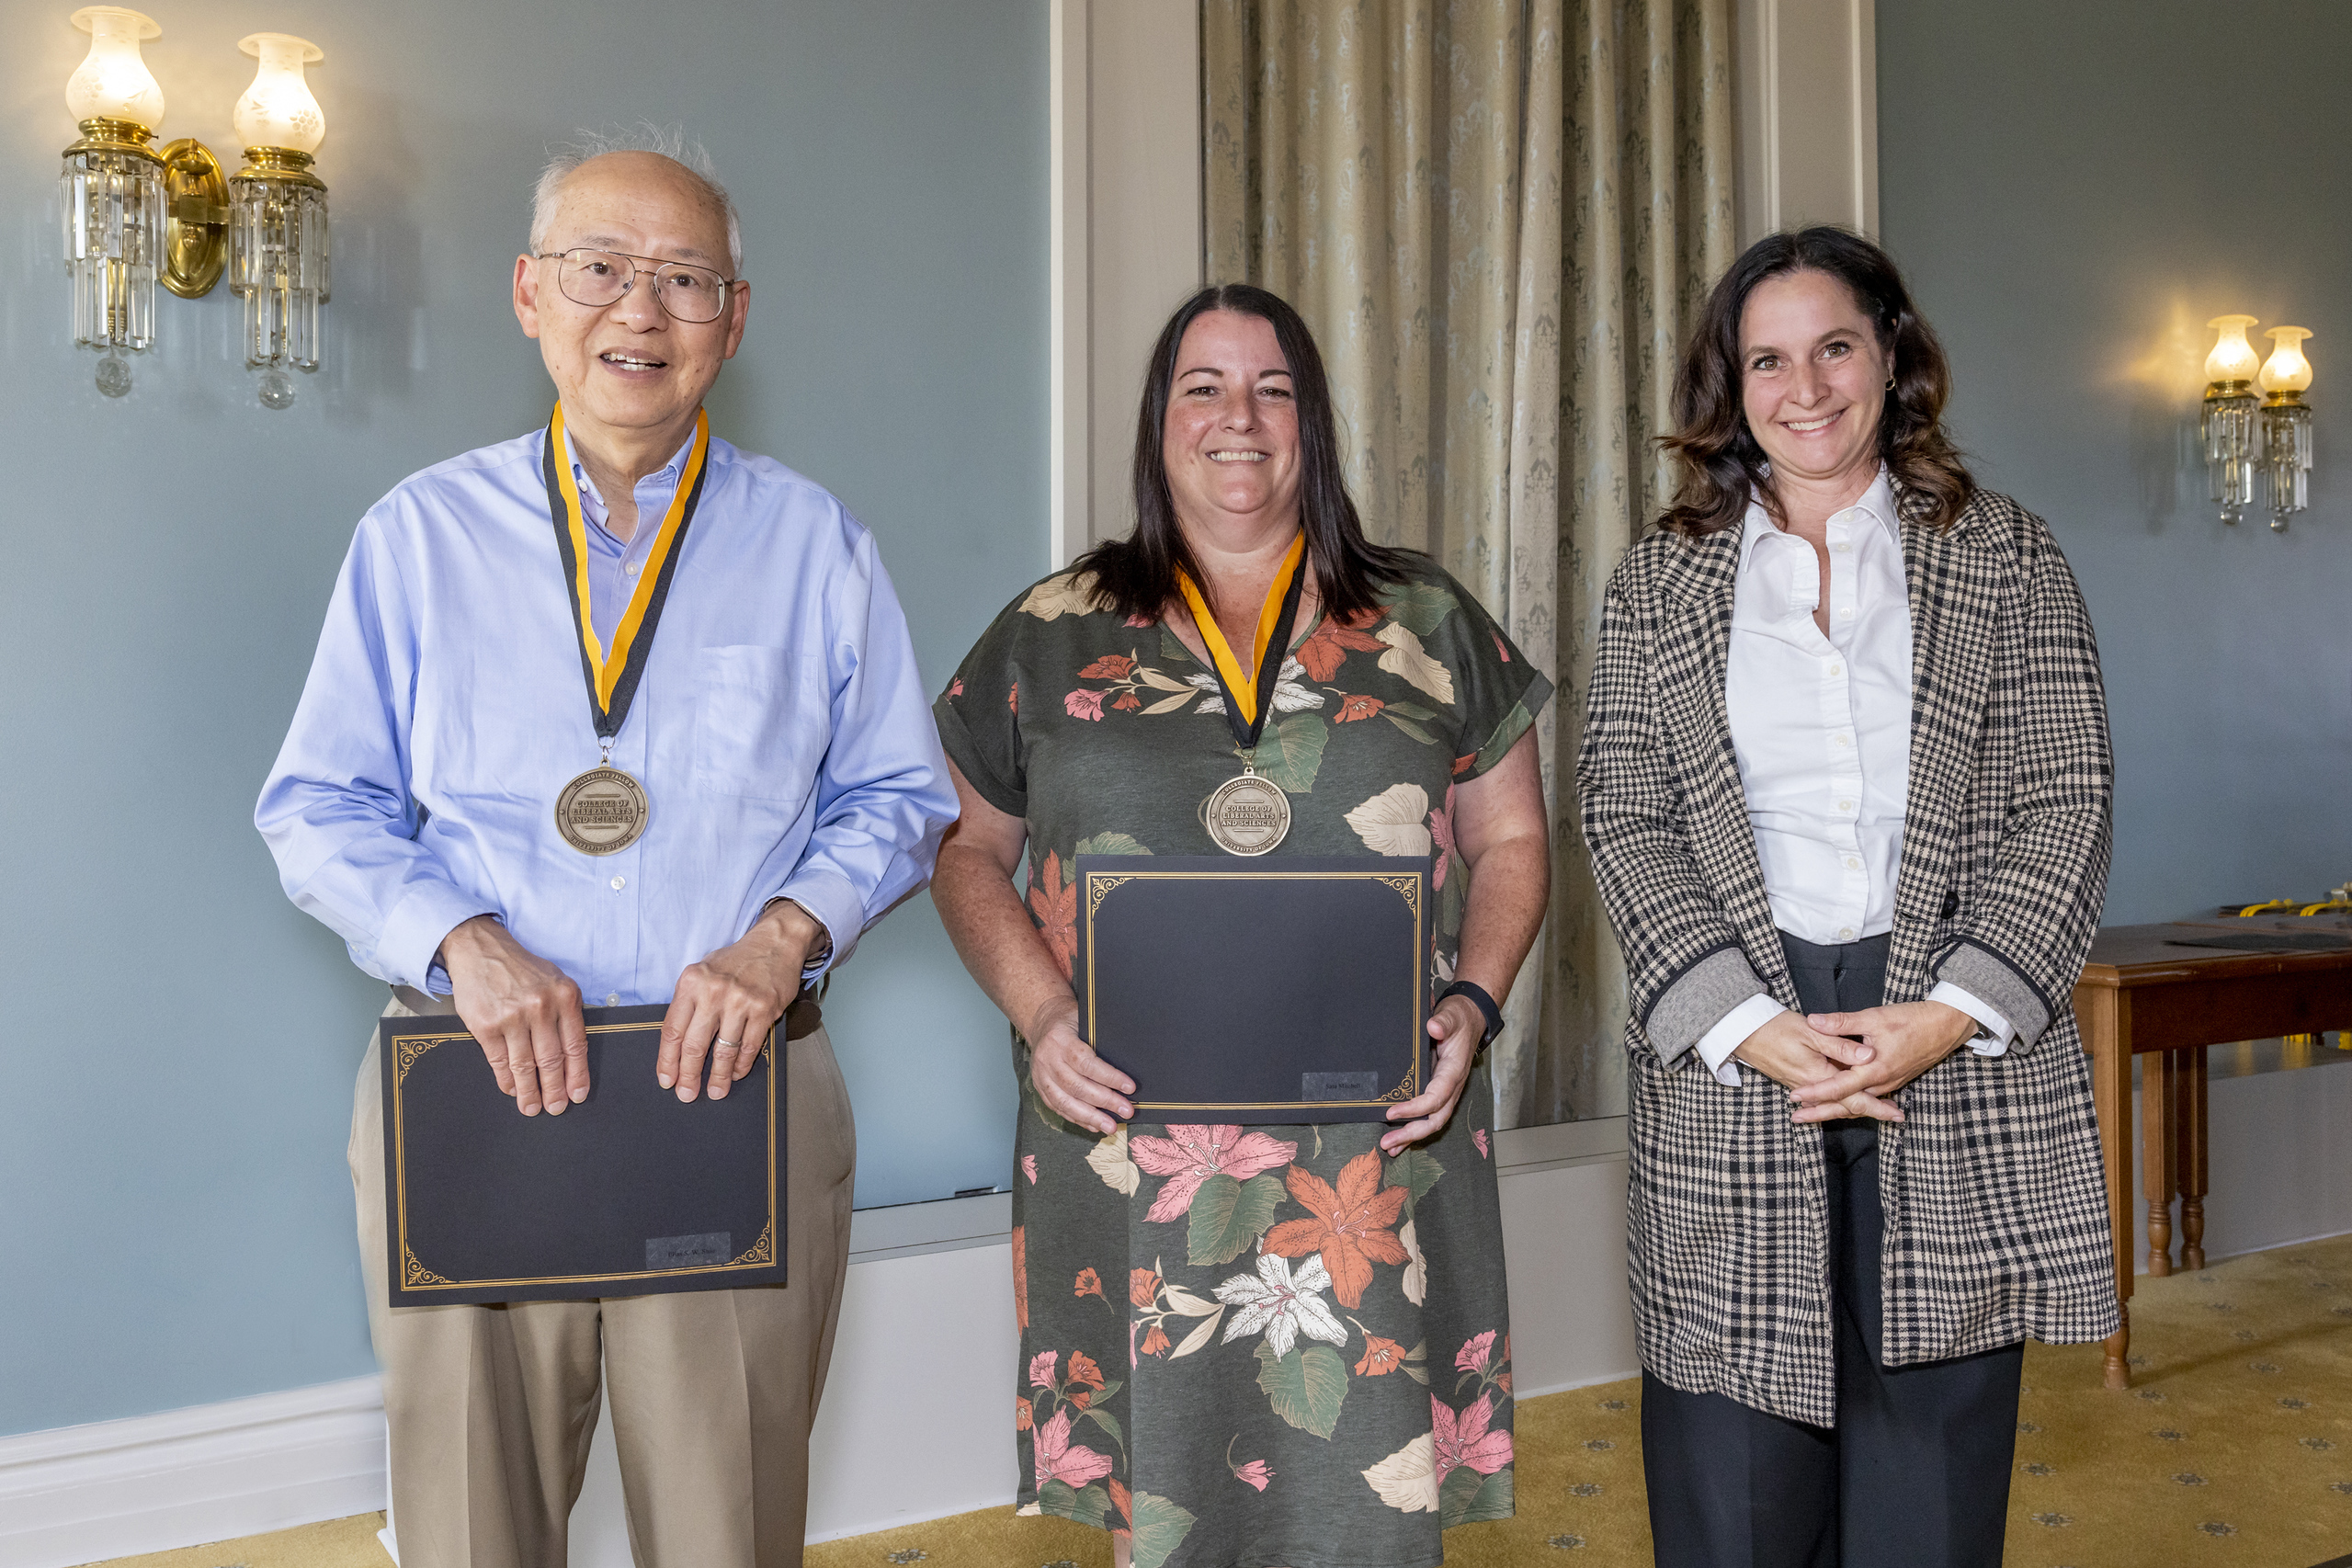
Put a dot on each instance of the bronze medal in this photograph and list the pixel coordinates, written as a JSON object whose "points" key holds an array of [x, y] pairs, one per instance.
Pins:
{"points": [[602, 812], [1248, 815]]}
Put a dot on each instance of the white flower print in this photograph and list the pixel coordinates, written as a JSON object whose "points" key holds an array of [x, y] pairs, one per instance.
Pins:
{"points": [[1291, 694], [1285, 1305]]}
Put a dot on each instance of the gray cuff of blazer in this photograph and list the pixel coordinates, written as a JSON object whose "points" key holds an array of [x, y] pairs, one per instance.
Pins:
{"points": [[1699, 998], [1981, 972]]}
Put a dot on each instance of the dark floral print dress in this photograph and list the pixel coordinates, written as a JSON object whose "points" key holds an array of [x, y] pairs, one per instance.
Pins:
{"points": [[1266, 1345]]}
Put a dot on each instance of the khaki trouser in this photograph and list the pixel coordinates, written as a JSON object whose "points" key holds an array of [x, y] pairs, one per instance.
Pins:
{"points": [[713, 1391]]}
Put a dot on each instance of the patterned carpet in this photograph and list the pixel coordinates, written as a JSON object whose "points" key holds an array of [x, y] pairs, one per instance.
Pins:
{"points": [[2234, 1447]]}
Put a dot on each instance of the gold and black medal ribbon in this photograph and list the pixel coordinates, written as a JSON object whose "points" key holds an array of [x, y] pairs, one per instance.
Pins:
{"points": [[1249, 815], [605, 810]]}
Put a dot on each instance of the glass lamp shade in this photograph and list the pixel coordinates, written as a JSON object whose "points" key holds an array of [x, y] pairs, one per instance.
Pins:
{"points": [[113, 81], [278, 111], [2233, 357], [2287, 371], [277, 221]]}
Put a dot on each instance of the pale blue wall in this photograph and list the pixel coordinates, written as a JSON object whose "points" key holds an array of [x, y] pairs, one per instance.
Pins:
{"points": [[2075, 189], [177, 1043]]}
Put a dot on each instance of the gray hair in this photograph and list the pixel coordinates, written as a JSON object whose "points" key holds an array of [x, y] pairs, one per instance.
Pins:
{"points": [[666, 141]]}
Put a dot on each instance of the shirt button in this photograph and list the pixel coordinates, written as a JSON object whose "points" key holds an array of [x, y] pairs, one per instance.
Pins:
{"points": [[1845, 614], [618, 883], [613, 1000], [1853, 863], [1837, 669], [1842, 549], [1846, 933], [1845, 805], [1843, 740]]}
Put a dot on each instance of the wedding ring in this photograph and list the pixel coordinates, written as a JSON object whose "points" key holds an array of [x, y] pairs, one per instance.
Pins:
{"points": [[724, 1044]]}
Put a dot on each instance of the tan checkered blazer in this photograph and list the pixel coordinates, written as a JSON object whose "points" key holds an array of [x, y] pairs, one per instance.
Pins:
{"points": [[1995, 1212]]}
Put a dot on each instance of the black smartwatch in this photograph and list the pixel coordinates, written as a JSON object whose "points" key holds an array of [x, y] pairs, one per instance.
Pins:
{"points": [[1484, 1003]]}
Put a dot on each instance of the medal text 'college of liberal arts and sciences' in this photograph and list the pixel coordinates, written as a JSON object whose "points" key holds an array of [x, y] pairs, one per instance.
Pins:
{"points": [[1249, 815], [605, 810]]}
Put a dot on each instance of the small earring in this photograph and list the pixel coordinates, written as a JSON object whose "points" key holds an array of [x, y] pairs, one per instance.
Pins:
{"points": [[1889, 382]]}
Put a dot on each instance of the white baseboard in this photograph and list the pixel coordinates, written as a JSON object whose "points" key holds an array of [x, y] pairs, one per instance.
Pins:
{"points": [[188, 1477]]}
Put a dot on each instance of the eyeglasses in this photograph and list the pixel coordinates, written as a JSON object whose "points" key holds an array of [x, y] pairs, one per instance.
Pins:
{"points": [[599, 278]]}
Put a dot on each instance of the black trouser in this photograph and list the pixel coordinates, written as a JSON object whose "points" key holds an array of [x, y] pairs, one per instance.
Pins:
{"points": [[1915, 1474]]}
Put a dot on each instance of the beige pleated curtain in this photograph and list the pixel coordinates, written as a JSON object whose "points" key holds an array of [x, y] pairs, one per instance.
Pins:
{"points": [[1499, 217]]}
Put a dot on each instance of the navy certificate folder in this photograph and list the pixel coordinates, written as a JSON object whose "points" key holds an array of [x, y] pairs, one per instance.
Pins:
{"points": [[1279, 990], [629, 1193]]}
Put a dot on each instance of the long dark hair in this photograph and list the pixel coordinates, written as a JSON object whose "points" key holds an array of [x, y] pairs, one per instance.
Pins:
{"points": [[1137, 575], [1721, 462]]}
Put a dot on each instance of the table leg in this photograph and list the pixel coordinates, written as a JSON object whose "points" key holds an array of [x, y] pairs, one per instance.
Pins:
{"points": [[2159, 1140], [2192, 1158], [2105, 1014]]}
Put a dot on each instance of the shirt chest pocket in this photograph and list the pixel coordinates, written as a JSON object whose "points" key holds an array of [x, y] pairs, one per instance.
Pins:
{"points": [[763, 718]]}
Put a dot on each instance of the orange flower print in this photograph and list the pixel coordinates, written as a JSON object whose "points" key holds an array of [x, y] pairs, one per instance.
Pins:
{"points": [[1461, 764], [1127, 702], [1328, 649], [1110, 666], [1350, 1227], [1354, 708], [1142, 1287], [1155, 1340], [1055, 904], [1083, 1368], [1021, 1276], [1013, 701], [1089, 1284], [1024, 1415], [1381, 1356]]}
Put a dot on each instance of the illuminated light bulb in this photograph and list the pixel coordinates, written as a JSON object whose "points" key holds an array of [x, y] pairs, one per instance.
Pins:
{"points": [[2233, 357], [278, 111], [113, 81], [2287, 371]]}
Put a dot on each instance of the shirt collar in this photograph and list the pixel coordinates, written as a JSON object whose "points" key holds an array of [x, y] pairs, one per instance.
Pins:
{"points": [[666, 476], [1876, 502]]}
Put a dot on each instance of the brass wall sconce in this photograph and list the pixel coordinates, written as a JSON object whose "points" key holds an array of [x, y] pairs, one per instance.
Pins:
{"points": [[2244, 436], [136, 215]]}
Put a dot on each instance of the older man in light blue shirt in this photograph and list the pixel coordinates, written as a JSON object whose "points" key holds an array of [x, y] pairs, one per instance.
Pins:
{"points": [[740, 663]]}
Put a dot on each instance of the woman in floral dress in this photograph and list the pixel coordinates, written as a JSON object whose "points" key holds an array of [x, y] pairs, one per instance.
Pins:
{"points": [[1268, 1345]]}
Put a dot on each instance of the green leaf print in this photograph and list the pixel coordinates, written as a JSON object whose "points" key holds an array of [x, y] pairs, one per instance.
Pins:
{"points": [[1467, 1496], [1453, 899], [1411, 710], [1059, 1498], [1415, 1170], [1506, 736], [1108, 1423], [1228, 1215], [1171, 646], [1160, 1528], [1419, 607], [1289, 754], [1305, 1387], [1110, 844], [1409, 727]]}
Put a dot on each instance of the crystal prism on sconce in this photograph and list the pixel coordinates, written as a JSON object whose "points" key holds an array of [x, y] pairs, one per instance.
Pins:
{"points": [[2287, 425], [2227, 423], [278, 231], [111, 191]]}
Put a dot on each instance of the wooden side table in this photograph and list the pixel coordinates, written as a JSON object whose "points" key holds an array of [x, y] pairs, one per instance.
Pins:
{"points": [[2158, 989]]}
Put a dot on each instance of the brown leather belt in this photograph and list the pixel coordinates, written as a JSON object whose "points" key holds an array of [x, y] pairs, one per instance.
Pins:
{"points": [[802, 1019]]}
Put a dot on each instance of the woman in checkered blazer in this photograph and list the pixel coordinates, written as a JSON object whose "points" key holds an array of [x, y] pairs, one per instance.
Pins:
{"points": [[1845, 780]]}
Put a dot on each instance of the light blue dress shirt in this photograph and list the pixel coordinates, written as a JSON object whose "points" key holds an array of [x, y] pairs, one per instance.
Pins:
{"points": [[780, 730]]}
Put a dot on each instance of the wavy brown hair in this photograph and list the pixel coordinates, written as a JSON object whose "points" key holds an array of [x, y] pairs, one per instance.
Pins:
{"points": [[1137, 575], [1721, 463]]}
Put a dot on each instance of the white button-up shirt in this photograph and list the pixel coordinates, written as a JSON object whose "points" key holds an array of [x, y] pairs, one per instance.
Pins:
{"points": [[1821, 724]]}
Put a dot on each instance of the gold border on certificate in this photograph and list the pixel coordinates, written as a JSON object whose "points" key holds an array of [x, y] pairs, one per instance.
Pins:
{"points": [[415, 1276], [1410, 886]]}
